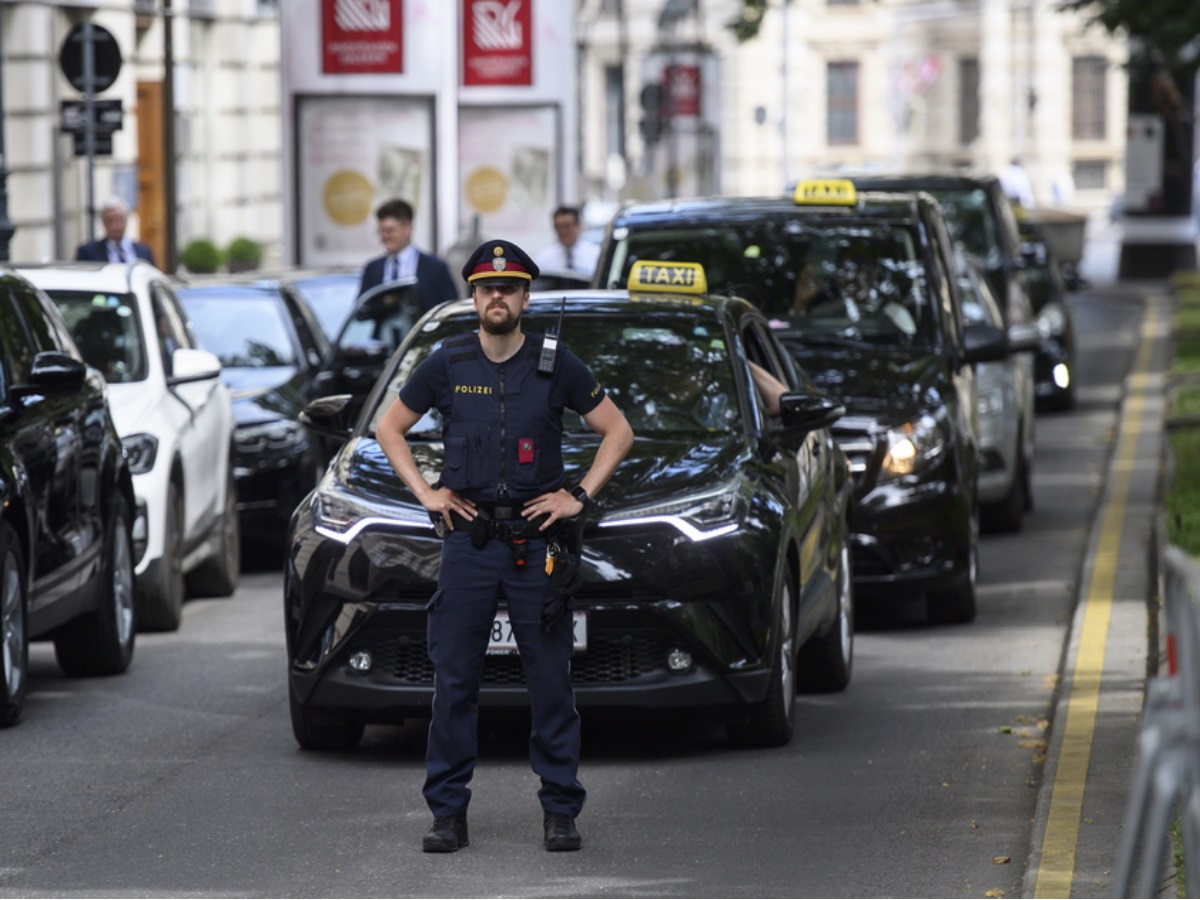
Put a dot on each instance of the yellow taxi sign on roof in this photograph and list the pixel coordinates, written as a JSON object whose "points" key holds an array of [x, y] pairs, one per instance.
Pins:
{"points": [[668, 277], [825, 192]]}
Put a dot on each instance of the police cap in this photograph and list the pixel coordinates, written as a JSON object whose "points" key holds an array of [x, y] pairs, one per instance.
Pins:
{"points": [[500, 262]]}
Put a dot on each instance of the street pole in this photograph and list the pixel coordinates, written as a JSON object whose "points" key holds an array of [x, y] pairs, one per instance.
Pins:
{"points": [[7, 229], [169, 134]]}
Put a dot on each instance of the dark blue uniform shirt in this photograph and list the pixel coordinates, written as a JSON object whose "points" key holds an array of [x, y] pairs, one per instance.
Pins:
{"points": [[502, 422]]}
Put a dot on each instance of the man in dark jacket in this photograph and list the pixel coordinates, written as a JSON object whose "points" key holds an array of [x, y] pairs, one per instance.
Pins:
{"points": [[404, 260], [114, 246]]}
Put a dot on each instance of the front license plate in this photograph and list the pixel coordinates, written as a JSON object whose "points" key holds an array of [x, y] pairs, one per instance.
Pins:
{"points": [[503, 641]]}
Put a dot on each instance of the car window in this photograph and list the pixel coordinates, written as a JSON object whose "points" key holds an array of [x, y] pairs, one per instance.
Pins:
{"points": [[171, 331], [308, 330], [970, 220], [381, 318], [107, 331], [666, 373], [978, 303], [862, 281], [244, 329], [331, 297]]}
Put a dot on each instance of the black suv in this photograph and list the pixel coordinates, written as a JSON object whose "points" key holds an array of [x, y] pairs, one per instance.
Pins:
{"points": [[861, 288], [66, 501]]}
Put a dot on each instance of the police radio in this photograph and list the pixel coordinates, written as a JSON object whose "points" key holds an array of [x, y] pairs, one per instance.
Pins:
{"points": [[550, 342]]}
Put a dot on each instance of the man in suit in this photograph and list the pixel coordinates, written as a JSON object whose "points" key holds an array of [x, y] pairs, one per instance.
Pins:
{"points": [[568, 251], [114, 246], [402, 259]]}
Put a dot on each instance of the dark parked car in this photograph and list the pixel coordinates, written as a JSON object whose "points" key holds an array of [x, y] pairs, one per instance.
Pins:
{"points": [[66, 504], [981, 218], [1054, 365], [271, 348], [862, 290], [716, 565], [372, 332]]}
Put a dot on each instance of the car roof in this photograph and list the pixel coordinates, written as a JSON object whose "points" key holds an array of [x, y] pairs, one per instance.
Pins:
{"points": [[870, 204], [88, 276], [609, 302], [931, 181]]}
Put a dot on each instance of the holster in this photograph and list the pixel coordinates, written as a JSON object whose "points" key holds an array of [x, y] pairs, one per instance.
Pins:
{"points": [[566, 543]]}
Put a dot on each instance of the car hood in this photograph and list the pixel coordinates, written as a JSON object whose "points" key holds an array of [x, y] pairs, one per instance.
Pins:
{"points": [[654, 469], [883, 385]]}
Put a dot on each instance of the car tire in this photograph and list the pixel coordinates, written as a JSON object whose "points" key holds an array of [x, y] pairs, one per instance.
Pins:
{"points": [[14, 664], [160, 601], [956, 605], [826, 660], [101, 642], [323, 731], [772, 722], [218, 575]]}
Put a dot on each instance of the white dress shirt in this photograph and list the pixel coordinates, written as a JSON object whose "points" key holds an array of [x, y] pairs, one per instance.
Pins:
{"points": [[580, 257]]}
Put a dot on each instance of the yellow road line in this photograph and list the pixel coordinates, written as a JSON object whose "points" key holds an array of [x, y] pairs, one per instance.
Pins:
{"points": [[1056, 871]]}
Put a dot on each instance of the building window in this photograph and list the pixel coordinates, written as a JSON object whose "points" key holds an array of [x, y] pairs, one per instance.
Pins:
{"points": [[841, 103], [840, 2], [968, 100], [614, 110], [1089, 119], [1090, 174]]}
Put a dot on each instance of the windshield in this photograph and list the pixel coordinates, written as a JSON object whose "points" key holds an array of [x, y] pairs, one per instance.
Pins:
{"points": [[970, 222], [331, 297], [666, 373], [244, 330], [858, 282], [107, 331]]}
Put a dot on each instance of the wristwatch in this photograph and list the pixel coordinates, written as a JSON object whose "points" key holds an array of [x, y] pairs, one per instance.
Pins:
{"points": [[581, 495]]}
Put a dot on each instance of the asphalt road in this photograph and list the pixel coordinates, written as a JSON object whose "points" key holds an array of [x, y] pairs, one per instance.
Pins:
{"points": [[181, 778]]}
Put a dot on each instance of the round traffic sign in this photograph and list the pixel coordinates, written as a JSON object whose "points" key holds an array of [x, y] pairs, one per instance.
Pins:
{"points": [[106, 57]]}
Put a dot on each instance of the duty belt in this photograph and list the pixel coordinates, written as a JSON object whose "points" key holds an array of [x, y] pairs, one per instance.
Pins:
{"points": [[502, 522]]}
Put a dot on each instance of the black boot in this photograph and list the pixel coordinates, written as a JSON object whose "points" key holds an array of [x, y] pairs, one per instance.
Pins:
{"points": [[560, 832], [447, 834]]}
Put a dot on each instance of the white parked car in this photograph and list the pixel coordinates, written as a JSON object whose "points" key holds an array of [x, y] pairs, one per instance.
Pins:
{"points": [[175, 419], [1005, 404]]}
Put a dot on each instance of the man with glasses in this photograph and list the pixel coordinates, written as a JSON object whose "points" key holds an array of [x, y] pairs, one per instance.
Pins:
{"points": [[402, 258], [505, 512]]}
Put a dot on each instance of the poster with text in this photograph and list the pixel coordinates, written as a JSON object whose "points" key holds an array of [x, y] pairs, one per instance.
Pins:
{"points": [[509, 177], [497, 42], [352, 154], [362, 36]]}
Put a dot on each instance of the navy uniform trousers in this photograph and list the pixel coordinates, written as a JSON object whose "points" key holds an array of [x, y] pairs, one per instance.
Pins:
{"points": [[459, 625]]}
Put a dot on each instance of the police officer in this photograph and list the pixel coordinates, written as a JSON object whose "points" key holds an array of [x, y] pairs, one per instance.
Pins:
{"points": [[501, 502]]}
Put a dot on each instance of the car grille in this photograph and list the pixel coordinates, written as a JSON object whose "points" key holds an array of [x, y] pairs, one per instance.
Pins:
{"points": [[607, 661]]}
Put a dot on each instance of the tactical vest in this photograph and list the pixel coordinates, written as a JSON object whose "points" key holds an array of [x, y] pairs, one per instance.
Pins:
{"points": [[503, 440]]}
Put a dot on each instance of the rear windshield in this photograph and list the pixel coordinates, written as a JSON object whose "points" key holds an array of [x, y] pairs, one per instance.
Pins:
{"points": [[245, 330], [859, 281]]}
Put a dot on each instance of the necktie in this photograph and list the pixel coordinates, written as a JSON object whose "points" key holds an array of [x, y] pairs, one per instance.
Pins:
{"points": [[569, 261], [393, 268]]}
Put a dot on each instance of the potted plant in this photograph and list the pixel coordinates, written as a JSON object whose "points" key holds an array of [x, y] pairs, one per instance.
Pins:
{"points": [[243, 254], [200, 256]]}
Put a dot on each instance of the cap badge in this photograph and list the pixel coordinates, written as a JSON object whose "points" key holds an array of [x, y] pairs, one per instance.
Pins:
{"points": [[499, 264]]}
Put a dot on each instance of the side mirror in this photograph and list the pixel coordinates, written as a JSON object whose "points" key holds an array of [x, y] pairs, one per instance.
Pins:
{"points": [[55, 371], [331, 416], [189, 365], [984, 343], [1023, 338], [808, 412]]}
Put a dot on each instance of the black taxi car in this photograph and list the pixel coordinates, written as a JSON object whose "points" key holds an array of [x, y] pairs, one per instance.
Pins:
{"points": [[66, 504], [861, 290], [716, 563]]}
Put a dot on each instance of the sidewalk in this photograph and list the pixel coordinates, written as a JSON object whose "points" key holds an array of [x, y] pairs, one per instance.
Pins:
{"points": [[1113, 643]]}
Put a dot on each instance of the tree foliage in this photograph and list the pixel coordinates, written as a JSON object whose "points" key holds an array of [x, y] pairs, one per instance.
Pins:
{"points": [[1165, 33], [745, 27]]}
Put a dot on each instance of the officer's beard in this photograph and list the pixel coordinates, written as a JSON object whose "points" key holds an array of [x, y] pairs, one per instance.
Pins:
{"points": [[507, 325]]}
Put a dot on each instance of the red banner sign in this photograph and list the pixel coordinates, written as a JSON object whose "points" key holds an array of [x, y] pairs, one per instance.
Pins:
{"points": [[497, 42], [362, 36], [681, 88]]}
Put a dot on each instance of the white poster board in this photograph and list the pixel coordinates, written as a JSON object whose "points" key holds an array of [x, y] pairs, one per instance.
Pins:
{"points": [[352, 154], [508, 169]]}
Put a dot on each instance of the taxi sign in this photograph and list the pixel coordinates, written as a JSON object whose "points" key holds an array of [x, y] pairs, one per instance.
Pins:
{"points": [[826, 192], [668, 277]]}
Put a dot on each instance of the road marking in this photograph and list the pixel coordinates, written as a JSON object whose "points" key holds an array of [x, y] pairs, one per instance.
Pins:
{"points": [[1056, 870]]}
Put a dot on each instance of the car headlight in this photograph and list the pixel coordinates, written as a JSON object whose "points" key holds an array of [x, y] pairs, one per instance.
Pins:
{"points": [[1051, 320], [140, 450], [342, 518], [913, 446], [699, 517], [281, 434]]}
